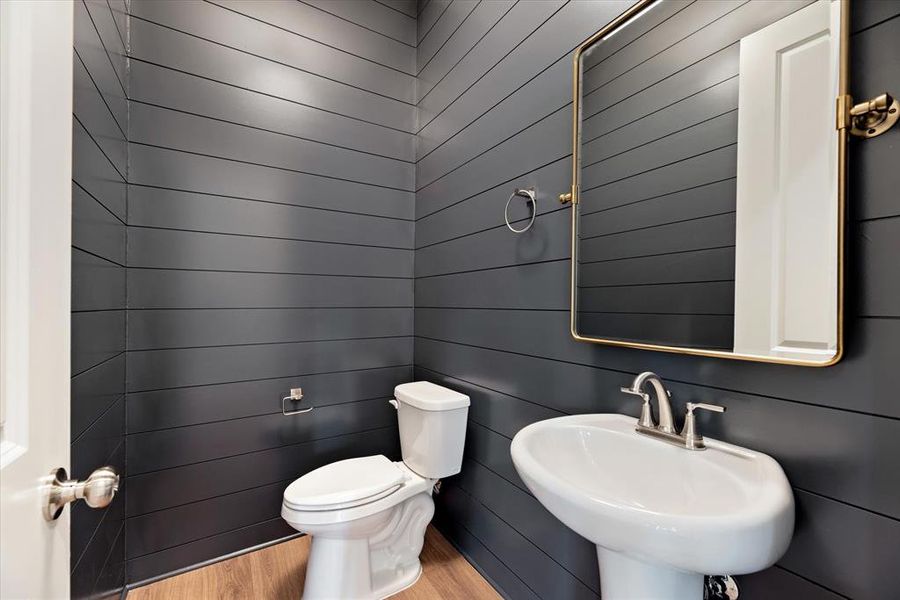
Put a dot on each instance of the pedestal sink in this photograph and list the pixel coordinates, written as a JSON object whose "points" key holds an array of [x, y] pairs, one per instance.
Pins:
{"points": [[661, 516]]}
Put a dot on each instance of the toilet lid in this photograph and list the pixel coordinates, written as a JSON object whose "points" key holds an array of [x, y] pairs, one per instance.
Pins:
{"points": [[345, 483]]}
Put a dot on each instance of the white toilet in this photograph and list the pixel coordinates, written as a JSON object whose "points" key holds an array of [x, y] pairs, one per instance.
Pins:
{"points": [[367, 516]]}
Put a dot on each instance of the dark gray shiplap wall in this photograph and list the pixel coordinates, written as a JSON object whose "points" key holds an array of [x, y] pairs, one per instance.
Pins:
{"points": [[492, 307], [270, 246], [99, 174]]}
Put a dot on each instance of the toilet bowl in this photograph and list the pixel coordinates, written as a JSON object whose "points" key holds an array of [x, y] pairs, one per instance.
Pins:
{"points": [[367, 516]]}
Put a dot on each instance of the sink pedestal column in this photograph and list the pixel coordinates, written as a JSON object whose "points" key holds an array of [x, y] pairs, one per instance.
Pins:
{"points": [[626, 578]]}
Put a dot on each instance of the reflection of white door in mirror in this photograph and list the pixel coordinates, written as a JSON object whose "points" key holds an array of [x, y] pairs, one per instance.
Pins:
{"points": [[787, 188]]}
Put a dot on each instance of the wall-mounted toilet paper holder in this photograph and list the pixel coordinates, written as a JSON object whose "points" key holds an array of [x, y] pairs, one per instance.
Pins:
{"points": [[296, 396]]}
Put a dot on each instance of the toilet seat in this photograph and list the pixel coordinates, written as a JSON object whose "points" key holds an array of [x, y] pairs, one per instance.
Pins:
{"points": [[301, 518], [345, 484]]}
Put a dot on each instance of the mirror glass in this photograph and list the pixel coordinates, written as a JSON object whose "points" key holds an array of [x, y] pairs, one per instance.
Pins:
{"points": [[708, 197]]}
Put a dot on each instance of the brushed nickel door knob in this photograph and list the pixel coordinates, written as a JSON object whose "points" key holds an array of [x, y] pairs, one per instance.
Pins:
{"points": [[98, 490]]}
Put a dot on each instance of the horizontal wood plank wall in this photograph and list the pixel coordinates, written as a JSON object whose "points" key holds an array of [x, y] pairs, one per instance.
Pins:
{"points": [[99, 175], [270, 246], [492, 307]]}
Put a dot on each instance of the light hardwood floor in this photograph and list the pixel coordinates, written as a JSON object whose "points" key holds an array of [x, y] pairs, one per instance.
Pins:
{"points": [[277, 573]]}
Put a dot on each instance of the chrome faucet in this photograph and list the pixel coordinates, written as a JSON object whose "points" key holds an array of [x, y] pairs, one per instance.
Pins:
{"points": [[688, 438]]}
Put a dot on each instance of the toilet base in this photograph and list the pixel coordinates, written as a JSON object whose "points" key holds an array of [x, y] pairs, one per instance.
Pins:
{"points": [[370, 558], [398, 584]]}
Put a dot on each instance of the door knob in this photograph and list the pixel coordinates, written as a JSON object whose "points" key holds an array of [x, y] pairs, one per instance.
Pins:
{"points": [[98, 490]]}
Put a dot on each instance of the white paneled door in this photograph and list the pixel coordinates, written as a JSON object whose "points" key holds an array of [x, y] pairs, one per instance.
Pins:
{"points": [[35, 265]]}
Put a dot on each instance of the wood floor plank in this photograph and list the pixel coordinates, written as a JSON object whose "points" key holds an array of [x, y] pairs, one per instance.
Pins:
{"points": [[278, 572]]}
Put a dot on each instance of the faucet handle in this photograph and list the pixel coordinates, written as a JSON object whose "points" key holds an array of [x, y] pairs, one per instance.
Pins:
{"points": [[646, 419], [692, 439], [712, 407]]}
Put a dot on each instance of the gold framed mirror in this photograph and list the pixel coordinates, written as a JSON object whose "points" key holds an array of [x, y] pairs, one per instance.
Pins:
{"points": [[709, 180]]}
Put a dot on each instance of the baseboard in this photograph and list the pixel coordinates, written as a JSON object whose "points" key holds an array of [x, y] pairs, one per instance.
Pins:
{"points": [[206, 563]]}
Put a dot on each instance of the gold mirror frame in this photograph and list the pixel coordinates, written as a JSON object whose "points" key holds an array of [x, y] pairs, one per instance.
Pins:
{"points": [[842, 124]]}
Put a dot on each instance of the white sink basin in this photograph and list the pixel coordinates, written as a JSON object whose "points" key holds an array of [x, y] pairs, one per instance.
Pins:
{"points": [[661, 516]]}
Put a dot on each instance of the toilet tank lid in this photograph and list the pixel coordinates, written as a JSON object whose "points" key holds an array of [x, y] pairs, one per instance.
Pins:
{"points": [[428, 396]]}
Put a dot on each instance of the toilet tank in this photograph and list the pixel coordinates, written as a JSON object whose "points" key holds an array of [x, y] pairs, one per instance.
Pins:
{"points": [[432, 423]]}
